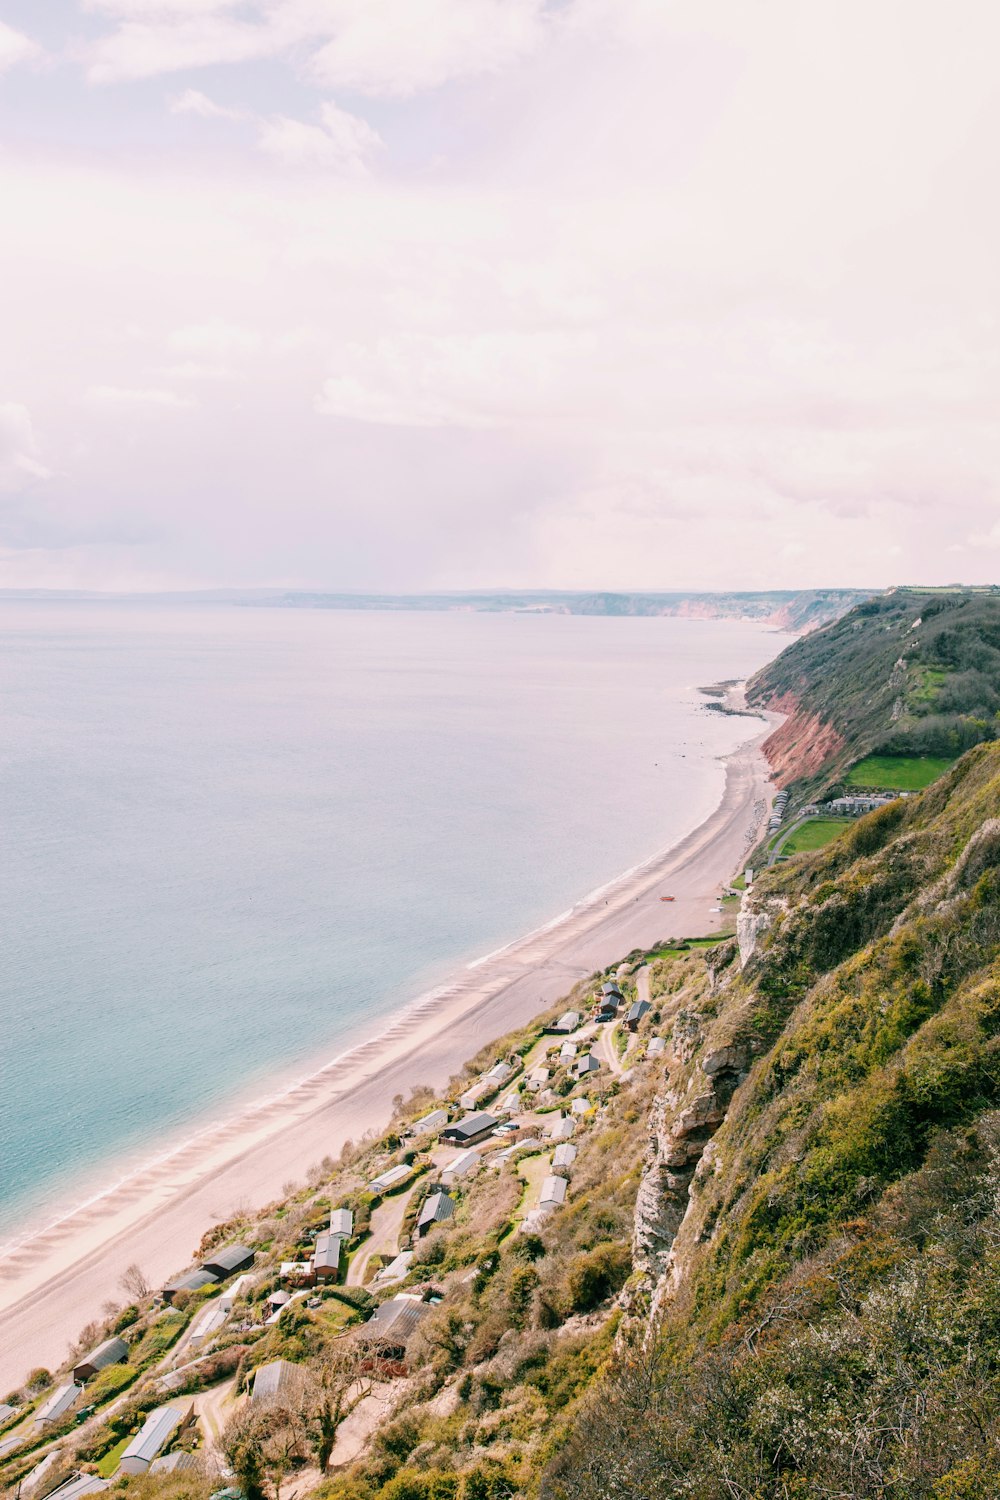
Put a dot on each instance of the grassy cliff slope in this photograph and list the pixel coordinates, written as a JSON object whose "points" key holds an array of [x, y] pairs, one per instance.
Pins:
{"points": [[909, 673], [820, 1209]]}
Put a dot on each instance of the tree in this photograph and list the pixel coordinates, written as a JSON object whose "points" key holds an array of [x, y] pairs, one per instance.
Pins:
{"points": [[263, 1441], [134, 1283], [335, 1384]]}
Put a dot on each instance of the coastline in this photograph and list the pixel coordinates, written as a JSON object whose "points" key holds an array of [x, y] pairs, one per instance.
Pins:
{"points": [[53, 1281]]}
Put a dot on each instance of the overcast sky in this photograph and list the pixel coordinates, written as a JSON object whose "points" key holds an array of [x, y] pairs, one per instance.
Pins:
{"points": [[414, 294]]}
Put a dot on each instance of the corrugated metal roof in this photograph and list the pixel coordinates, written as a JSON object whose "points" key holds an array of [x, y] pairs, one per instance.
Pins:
{"points": [[394, 1321], [326, 1255], [553, 1190], [436, 1209], [171, 1462], [472, 1125], [232, 1258], [58, 1403], [150, 1438], [192, 1281], [270, 1378], [342, 1222], [111, 1352], [81, 1484]]}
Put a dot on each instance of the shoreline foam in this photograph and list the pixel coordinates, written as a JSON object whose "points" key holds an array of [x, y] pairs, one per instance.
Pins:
{"points": [[53, 1279]]}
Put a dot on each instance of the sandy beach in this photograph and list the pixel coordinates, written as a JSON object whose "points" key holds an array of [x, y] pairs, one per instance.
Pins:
{"points": [[56, 1282]]}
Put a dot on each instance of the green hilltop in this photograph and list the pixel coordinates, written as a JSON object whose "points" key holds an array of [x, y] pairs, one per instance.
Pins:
{"points": [[909, 676]]}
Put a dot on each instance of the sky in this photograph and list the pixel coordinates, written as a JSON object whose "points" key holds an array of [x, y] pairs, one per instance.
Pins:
{"points": [[444, 294]]}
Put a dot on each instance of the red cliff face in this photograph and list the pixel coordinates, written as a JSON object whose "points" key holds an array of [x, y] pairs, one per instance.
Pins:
{"points": [[802, 745]]}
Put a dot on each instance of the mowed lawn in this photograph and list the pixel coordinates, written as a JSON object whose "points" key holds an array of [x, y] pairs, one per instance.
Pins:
{"points": [[814, 834], [899, 773]]}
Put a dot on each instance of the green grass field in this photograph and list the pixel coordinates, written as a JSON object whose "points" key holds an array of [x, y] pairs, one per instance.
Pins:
{"points": [[899, 773], [815, 834], [107, 1465]]}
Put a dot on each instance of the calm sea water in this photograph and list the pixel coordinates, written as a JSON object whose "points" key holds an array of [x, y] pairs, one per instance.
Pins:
{"points": [[233, 838]]}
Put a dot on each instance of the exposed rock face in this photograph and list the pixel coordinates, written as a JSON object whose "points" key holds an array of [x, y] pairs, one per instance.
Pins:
{"points": [[750, 923], [803, 744], [682, 1132]]}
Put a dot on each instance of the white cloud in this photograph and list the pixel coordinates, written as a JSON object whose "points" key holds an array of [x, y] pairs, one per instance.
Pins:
{"points": [[392, 47], [695, 293], [342, 141], [215, 350], [216, 339], [192, 102], [19, 461], [131, 397], [16, 48], [145, 49], [398, 47]]}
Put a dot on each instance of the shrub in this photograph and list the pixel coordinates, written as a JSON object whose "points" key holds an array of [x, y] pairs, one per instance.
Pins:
{"points": [[597, 1274]]}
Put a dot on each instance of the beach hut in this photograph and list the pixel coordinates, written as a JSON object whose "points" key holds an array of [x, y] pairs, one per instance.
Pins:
{"points": [[586, 1065], [553, 1192], [563, 1128], [436, 1209], [563, 1157], [472, 1095], [581, 1106], [430, 1122], [6, 1412], [209, 1322], [79, 1485], [393, 1177], [224, 1263], [635, 1014], [192, 1281], [568, 1021], [172, 1463], [342, 1223], [326, 1256], [473, 1128], [396, 1270], [273, 1379], [393, 1324], [537, 1079], [499, 1074], [656, 1046], [239, 1288], [567, 1052], [464, 1165], [57, 1404], [511, 1103], [111, 1352], [154, 1434]]}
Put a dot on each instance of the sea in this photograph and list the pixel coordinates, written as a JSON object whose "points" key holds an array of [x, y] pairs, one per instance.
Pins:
{"points": [[238, 839]]}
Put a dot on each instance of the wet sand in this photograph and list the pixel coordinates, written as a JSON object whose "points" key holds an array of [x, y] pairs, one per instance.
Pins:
{"points": [[56, 1282]]}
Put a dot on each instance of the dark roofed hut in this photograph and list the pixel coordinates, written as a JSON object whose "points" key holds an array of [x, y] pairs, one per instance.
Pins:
{"points": [[436, 1209], [636, 1013], [472, 1128], [193, 1281], [111, 1352], [227, 1262], [392, 1325]]}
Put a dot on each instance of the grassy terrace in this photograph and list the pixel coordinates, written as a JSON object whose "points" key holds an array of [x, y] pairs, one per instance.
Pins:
{"points": [[898, 773], [814, 834]]}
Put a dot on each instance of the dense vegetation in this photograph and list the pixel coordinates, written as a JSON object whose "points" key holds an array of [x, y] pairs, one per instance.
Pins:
{"points": [[833, 1323], [908, 673]]}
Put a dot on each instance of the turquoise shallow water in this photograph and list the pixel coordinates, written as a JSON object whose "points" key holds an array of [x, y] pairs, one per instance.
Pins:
{"points": [[235, 837]]}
